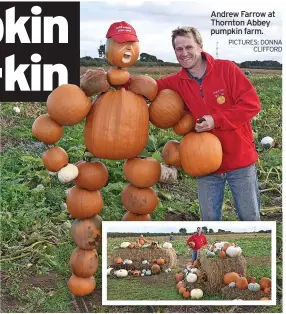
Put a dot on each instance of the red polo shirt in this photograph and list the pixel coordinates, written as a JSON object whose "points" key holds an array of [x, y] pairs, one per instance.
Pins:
{"points": [[200, 241]]}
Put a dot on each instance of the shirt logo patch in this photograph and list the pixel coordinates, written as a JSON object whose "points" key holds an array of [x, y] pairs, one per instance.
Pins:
{"points": [[220, 100]]}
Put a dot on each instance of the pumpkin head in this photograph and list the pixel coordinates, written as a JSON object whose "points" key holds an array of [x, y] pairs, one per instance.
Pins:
{"points": [[265, 283], [92, 175], [81, 286], [83, 263], [179, 277], [117, 76], [171, 153], [241, 283], [47, 130], [136, 217], [185, 125], [167, 109], [200, 153], [82, 203], [117, 126], [155, 269], [144, 85], [68, 104], [139, 201], [230, 277], [55, 159], [142, 172], [86, 233], [123, 54], [94, 81]]}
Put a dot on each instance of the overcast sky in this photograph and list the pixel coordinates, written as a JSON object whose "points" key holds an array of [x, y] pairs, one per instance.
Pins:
{"points": [[191, 226], [155, 20]]}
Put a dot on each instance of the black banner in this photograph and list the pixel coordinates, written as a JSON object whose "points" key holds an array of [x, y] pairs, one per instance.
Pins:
{"points": [[39, 48]]}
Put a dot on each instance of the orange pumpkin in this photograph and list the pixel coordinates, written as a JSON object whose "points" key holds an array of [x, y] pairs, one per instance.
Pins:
{"points": [[225, 246], [179, 285], [121, 54], [46, 129], [142, 172], [55, 158], [139, 201], [196, 263], [179, 277], [241, 283], [171, 154], [167, 109], [84, 263], [160, 261], [91, 175], [86, 233], [68, 104], [185, 125], [265, 283], [117, 126], [182, 290], [94, 81], [81, 286], [222, 254], [144, 85], [186, 294], [230, 277], [156, 269], [82, 203], [267, 290], [118, 260], [135, 217], [117, 76], [200, 153]]}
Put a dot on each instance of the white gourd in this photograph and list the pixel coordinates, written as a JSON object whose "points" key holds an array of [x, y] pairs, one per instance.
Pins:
{"points": [[121, 273], [192, 277], [197, 294], [254, 287], [167, 245], [68, 173], [124, 245], [233, 251]]}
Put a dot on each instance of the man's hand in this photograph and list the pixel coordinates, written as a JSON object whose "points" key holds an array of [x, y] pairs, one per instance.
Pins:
{"points": [[206, 125]]}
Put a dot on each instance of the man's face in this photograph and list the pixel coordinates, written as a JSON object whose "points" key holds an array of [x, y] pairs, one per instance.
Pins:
{"points": [[199, 231], [188, 52]]}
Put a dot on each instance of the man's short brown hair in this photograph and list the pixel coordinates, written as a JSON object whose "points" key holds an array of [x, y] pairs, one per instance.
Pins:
{"points": [[187, 31]]}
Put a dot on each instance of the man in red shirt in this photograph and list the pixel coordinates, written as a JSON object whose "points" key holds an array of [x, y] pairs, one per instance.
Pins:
{"points": [[223, 101], [196, 241]]}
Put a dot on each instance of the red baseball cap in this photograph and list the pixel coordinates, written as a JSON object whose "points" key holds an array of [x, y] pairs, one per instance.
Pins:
{"points": [[121, 32]]}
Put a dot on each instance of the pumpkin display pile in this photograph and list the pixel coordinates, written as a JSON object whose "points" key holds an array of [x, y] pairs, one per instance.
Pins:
{"points": [[141, 258], [221, 268], [116, 128]]}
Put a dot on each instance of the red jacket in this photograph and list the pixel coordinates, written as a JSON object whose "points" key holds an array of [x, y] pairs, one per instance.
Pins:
{"points": [[200, 241], [230, 98]]}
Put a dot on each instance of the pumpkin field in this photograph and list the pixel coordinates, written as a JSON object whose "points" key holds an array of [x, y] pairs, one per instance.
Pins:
{"points": [[36, 242]]}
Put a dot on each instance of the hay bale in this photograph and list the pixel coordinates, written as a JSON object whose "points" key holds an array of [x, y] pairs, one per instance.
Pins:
{"points": [[141, 254], [216, 268], [204, 286], [235, 293]]}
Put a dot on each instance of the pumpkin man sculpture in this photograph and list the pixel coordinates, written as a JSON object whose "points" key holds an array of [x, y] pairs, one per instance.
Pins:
{"points": [[116, 128]]}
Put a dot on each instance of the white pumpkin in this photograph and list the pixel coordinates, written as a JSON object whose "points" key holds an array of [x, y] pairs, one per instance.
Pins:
{"points": [[167, 245], [129, 262], [254, 287], [267, 142], [109, 270], [233, 251], [68, 173], [194, 270], [145, 262], [124, 245], [232, 284], [121, 273], [192, 277], [197, 294]]}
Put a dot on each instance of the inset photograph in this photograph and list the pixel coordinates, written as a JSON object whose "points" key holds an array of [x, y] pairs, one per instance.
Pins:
{"points": [[218, 263]]}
